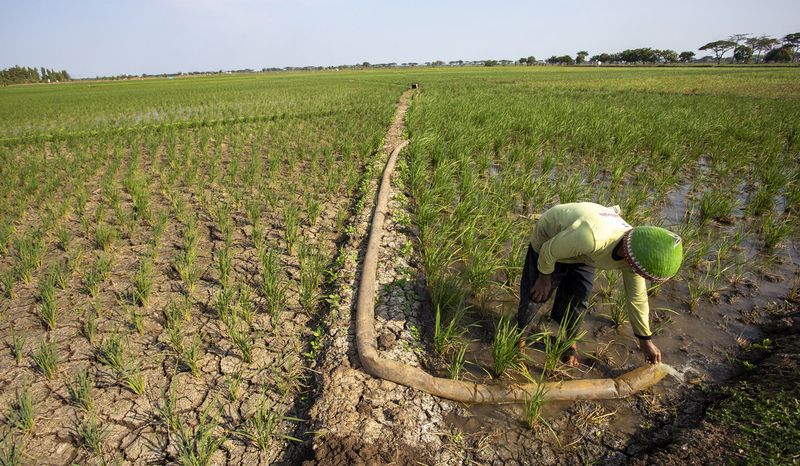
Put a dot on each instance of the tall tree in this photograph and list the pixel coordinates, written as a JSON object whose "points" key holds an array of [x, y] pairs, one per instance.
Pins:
{"points": [[760, 45], [793, 42], [581, 57], [686, 57], [742, 54], [719, 47], [531, 60]]}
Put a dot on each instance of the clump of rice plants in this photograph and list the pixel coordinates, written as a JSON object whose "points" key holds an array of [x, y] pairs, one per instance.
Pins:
{"points": [[223, 262], [457, 362], [774, 230], [105, 236], [142, 283], [716, 205], [505, 346], [311, 269], [565, 338], [262, 427], [243, 339], [291, 223], [30, 251], [17, 346], [47, 297], [92, 434], [535, 398], [21, 417], [196, 445], [272, 286], [444, 334], [46, 359], [112, 353], [11, 451], [80, 390]]}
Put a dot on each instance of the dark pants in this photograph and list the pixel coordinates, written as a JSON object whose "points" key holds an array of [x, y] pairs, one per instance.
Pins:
{"points": [[572, 284]]}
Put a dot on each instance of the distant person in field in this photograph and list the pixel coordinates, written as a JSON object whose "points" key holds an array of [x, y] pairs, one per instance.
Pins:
{"points": [[569, 242]]}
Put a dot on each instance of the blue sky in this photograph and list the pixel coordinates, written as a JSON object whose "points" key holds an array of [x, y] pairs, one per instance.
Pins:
{"points": [[93, 37]]}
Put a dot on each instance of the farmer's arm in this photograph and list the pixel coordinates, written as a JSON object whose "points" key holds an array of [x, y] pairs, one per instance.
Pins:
{"points": [[638, 310]]}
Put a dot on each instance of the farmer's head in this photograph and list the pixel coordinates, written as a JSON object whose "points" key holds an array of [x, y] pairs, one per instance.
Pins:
{"points": [[653, 252]]}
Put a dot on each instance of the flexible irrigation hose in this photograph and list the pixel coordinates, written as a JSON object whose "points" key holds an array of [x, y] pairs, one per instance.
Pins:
{"points": [[467, 392]]}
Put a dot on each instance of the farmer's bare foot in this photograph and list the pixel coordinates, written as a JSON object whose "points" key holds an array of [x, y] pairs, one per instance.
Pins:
{"points": [[571, 357]]}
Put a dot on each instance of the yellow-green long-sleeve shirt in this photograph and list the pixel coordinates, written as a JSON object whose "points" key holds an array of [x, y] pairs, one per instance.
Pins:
{"points": [[586, 233]]}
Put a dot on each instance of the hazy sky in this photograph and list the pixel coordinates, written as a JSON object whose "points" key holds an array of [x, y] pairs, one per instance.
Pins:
{"points": [[95, 37]]}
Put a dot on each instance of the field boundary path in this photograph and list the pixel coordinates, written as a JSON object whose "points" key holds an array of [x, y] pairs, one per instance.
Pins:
{"points": [[358, 418]]}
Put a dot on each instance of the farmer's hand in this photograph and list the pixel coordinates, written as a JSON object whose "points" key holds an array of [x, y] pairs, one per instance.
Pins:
{"points": [[650, 351], [541, 288]]}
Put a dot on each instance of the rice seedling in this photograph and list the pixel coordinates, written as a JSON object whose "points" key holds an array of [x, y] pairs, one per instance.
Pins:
{"points": [[105, 236], [190, 355], [63, 235], [223, 301], [457, 362], [80, 390], [142, 283], [7, 279], [6, 233], [17, 346], [92, 434], [556, 346], [98, 274], [234, 385], [245, 304], [21, 417], [112, 353], [311, 268], [90, 325], [262, 427], [774, 231], [30, 251], [505, 346], [717, 205], [445, 334], [223, 263], [137, 319], [47, 358], [617, 314], [243, 340], [196, 445], [11, 451], [48, 313], [291, 223], [272, 286], [167, 409], [535, 398]]}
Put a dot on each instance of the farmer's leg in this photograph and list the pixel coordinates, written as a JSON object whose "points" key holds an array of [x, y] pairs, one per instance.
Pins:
{"points": [[530, 273], [572, 297]]}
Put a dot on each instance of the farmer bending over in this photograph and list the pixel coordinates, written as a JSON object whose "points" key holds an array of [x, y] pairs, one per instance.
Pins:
{"points": [[569, 242]]}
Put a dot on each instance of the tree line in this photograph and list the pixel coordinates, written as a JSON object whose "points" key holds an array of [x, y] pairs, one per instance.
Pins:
{"points": [[746, 48], [23, 75]]}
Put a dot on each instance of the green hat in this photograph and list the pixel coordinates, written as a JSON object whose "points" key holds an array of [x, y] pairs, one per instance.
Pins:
{"points": [[653, 252]]}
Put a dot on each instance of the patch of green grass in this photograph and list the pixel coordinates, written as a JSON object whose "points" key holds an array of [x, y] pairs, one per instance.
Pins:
{"points": [[765, 416], [125, 366]]}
